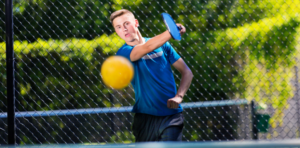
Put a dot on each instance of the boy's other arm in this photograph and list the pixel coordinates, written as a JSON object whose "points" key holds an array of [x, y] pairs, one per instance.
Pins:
{"points": [[140, 50], [185, 82]]}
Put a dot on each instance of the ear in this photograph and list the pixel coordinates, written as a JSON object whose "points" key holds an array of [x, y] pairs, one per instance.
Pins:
{"points": [[136, 23]]}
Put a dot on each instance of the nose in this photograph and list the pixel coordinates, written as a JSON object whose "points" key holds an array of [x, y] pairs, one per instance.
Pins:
{"points": [[125, 28]]}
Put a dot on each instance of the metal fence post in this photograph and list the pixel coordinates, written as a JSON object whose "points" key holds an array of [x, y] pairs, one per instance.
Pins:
{"points": [[297, 95], [254, 128], [10, 73]]}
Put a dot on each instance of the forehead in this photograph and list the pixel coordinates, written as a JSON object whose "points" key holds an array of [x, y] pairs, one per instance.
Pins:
{"points": [[123, 18]]}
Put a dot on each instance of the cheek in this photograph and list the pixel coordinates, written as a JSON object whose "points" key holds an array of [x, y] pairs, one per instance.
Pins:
{"points": [[132, 29], [118, 32]]}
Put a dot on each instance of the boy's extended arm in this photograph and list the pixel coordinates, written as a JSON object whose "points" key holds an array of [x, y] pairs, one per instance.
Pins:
{"points": [[140, 50]]}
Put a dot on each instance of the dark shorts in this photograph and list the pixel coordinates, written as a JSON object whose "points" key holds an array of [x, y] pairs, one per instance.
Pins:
{"points": [[157, 128]]}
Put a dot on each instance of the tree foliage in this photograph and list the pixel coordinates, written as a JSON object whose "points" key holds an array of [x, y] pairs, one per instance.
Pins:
{"points": [[235, 48]]}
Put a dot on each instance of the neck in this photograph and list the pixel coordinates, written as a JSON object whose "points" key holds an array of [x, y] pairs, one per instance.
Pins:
{"points": [[136, 41]]}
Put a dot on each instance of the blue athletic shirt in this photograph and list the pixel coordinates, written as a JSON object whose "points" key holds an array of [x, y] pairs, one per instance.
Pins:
{"points": [[153, 80]]}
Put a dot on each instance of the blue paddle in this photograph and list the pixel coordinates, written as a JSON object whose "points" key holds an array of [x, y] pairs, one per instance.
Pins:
{"points": [[172, 27]]}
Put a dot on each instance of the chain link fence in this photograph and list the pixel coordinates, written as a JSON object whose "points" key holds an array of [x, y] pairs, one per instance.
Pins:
{"points": [[236, 49]]}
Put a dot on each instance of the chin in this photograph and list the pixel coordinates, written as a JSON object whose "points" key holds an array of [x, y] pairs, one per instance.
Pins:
{"points": [[126, 39], [129, 39]]}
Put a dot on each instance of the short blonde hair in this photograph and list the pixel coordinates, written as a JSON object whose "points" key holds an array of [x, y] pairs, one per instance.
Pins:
{"points": [[119, 13]]}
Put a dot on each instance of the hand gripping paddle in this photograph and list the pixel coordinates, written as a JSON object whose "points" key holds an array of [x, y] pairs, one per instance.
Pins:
{"points": [[172, 27]]}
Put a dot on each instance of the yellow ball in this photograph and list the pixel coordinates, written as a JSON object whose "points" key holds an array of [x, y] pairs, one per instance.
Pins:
{"points": [[117, 72]]}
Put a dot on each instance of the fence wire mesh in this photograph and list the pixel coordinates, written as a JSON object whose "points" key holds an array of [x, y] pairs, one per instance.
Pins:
{"points": [[236, 49]]}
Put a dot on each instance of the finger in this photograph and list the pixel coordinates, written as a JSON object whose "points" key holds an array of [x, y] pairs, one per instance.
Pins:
{"points": [[171, 104], [168, 104], [179, 26], [174, 105], [183, 29]]}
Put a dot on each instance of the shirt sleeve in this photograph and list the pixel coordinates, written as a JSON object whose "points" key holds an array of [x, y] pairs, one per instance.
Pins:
{"points": [[125, 51], [170, 53]]}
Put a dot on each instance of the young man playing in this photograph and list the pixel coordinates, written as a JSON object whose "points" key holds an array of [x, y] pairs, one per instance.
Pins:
{"points": [[158, 113]]}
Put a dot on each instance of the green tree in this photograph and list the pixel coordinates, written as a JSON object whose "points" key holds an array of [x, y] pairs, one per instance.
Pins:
{"points": [[236, 49]]}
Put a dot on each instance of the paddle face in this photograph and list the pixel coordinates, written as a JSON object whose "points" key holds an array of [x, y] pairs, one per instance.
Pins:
{"points": [[171, 25]]}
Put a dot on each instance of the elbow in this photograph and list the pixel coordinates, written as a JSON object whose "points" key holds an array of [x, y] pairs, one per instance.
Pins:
{"points": [[133, 57], [191, 74]]}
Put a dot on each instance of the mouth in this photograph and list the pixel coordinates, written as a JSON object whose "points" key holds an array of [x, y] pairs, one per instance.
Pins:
{"points": [[127, 35]]}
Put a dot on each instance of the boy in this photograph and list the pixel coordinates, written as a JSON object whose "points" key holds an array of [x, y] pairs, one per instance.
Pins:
{"points": [[158, 113]]}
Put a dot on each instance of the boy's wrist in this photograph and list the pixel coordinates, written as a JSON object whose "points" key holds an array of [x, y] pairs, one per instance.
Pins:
{"points": [[179, 96]]}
